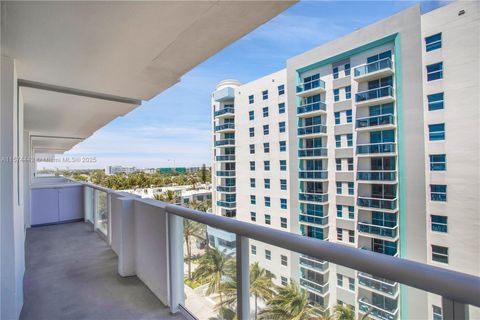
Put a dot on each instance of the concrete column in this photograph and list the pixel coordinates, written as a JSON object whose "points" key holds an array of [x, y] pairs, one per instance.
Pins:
{"points": [[124, 211], [176, 263]]}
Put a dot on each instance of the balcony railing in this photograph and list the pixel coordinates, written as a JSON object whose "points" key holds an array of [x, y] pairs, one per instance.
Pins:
{"points": [[390, 232], [318, 128], [226, 188], [315, 264], [226, 204], [390, 175], [313, 197], [382, 147], [307, 86], [384, 313], [225, 110], [312, 152], [225, 142], [226, 157], [374, 121], [320, 289], [313, 174], [225, 173], [313, 219], [376, 203], [376, 283], [225, 126], [376, 93], [373, 67], [311, 107]]}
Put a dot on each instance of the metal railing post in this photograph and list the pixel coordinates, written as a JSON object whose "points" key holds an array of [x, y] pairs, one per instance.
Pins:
{"points": [[243, 278], [175, 261], [452, 310]]}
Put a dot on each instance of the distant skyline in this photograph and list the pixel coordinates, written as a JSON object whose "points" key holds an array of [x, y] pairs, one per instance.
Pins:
{"points": [[175, 126]]}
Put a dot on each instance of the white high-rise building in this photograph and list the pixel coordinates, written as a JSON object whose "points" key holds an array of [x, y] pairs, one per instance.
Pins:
{"points": [[370, 141]]}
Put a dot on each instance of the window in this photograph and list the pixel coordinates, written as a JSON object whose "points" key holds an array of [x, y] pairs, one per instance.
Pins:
{"points": [[351, 188], [281, 89], [438, 162], [283, 184], [335, 73], [281, 126], [351, 212], [266, 183], [266, 147], [281, 108], [265, 112], [339, 211], [266, 165], [436, 132], [253, 250], [253, 199], [284, 281], [348, 92], [439, 223], [339, 187], [250, 100], [440, 254], [252, 165], [435, 71], [251, 115], [252, 149], [433, 42], [350, 164], [283, 223], [349, 140], [268, 219], [336, 95], [437, 312], [268, 255], [267, 201], [339, 234], [435, 101], [338, 164], [283, 165], [337, 117], [265, 94], [284, 260], [351, 236], [347, 69], [253, 216], [338, 141], [438, 192], [351, 284], [266, 129], [339, 280], [252, 182], [251, 131], [349, 115], [283, 203], [283, 146]]}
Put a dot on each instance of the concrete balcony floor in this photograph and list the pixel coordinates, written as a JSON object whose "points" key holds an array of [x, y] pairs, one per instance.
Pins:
{"points": [[71, 273]]}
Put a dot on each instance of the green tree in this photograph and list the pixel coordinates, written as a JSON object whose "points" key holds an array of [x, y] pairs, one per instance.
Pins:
{"points": [[192, 230], [169, 196], [344, 312]]}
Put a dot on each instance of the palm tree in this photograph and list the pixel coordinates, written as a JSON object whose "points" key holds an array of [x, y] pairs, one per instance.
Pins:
{"points": [[192, 229], [344, 312], [290, 303], [169, 196]]}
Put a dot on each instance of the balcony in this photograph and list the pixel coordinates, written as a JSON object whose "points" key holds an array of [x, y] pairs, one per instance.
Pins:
{"points": [[225, 127], [313, 219], [382, 148], [225, 173], [226, 189], [225, 157], [225, 143], [374, 96], [384, 121], [377, 203], [312, 109], [313, 197], [311, 88], [225, 94], [378, 284], [373, 70], [314, 264], [226, 204], [313, 174], [381, 313], [315, 130], [226, 111], [312, 152], [377, 176], [377, 230]]}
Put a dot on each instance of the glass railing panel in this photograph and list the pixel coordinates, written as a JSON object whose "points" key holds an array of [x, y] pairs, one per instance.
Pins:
{"points": [[90, 205], [373, 121], [377, 175], [383, 231], [312, 263], [225, 110], [226, 188], [224, 142], [385, 147], [374, 94], [313, 174], [228, 157], [373, 67], [101, 212], [377, 203], [225, 126], [313, 197], [377, 283], [226, 204], [319, 128], [225, 173], [313, 219], [311, 107], [378, 312], [311, 85], [312, 152]]}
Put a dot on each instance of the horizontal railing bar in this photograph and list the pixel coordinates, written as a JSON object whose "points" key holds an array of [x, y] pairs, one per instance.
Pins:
{"points": [[454, 285]]}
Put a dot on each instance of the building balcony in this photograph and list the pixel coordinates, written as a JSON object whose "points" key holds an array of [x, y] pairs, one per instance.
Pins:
{"points": [[377, 203], [225, 94], [376, 149], [383, 121], [312, 109], [314, 264], [374, 230], [313, 197], [377, 176], [378, 284], [373, 70], [226, 111], [226, 127], [226, 189], [225, 143], [225, 157], [312, 152], [311, 88], [320, 289], [315, 130], [377, 312], [313, 174], [313, 219], [225, 173], [226, 204], [374, 96]]}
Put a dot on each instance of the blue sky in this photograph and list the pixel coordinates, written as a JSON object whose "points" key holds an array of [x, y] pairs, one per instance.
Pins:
{"points": [[175, 126]]}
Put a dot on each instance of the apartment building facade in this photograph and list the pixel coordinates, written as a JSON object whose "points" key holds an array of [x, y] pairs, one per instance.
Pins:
{"points": [[376, 149]]}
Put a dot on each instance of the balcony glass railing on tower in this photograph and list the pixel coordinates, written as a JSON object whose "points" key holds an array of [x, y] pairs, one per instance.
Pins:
{"points": [[225, 157], [378, 283], [311, 83], [377, 203], [312, 263], [226, 188], [225, 173], [312, 152], [380, 147], [225, 142], [313, 129], [225, 126], [374, 121], [373, 67], [311, 104], [313, 174], [390, 175], [227, 109], [378, 230], [376, 93], [385, 312]]}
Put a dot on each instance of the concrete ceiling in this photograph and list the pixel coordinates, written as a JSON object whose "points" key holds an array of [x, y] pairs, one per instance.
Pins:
{"points": [[127, 49]]}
